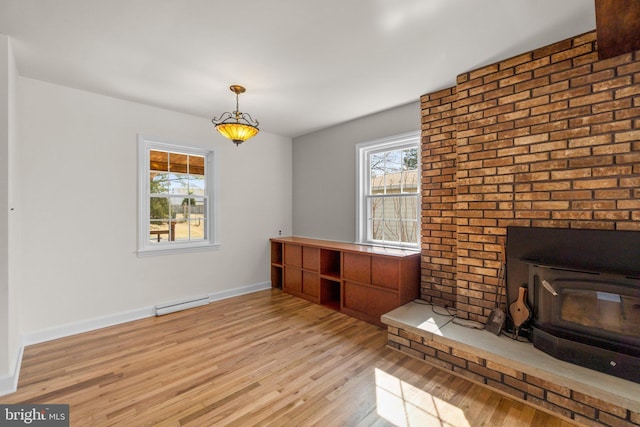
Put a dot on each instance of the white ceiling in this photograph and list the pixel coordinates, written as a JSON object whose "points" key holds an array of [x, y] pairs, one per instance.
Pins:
{"points": [[306, 65]]}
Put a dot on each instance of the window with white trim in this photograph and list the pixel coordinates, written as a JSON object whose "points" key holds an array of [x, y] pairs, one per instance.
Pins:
{"points": [[176, 197], [389, 191]]}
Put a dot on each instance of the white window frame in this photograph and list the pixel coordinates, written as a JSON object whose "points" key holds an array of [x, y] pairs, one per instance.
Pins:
{"points": [[145, 248], [363, 149]]}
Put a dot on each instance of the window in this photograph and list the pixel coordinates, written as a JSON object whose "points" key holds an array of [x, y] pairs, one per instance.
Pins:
{"points": [[176, 197], [389, 191]]}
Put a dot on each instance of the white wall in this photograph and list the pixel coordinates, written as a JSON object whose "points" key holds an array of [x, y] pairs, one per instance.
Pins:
{"points": [[4, 205], [78, 174], [15, 341], [324, 174], [9, 315]]}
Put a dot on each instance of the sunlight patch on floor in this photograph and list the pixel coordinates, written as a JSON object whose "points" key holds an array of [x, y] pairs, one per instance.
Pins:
{"points": [[403, 405]]}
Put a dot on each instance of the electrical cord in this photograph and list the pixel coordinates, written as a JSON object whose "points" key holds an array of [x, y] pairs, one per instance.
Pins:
{"points": [[438, 309], [471, 324], [451, 312]]}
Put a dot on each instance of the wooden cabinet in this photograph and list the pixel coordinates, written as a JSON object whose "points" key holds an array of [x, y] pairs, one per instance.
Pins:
{"points": [[361, 281], [301, 275]]}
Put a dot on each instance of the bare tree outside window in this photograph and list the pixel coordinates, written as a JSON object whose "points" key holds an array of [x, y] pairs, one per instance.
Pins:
{"points": [[393, 195]]}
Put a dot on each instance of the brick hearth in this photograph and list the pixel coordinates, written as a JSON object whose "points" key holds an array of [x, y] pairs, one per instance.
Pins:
{"points": [[514, 368]]}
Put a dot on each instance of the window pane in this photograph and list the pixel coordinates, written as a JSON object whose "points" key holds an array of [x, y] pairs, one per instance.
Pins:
{"points": [[178, 184], [196, 165], [196, 228], [178, 162], [376, 171], [159, 208], [158, 183], [376, 163], [377, 184], [393, 161], [196, 185], [409, 207], [391, 208], [409, 231], [410, 159], [392, 182], [191, 207], [176, 210], [392, 230], [393, 172], [376, 210], [393, 219], [377, 228], [182, 231], [158, 161], [184, 210], [197, 219], [197, 208], [159, 231], [410, 181], [189, 218], [405, 207]]}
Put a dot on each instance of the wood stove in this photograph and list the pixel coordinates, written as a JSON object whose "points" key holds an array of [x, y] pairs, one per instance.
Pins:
{"points": [[584, 292]]}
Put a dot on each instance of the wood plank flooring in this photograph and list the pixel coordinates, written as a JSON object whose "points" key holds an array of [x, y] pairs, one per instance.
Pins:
{"points": [[266, 358]]}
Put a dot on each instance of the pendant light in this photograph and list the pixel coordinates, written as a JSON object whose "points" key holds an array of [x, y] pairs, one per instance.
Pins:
{"points": [[236, 126]]}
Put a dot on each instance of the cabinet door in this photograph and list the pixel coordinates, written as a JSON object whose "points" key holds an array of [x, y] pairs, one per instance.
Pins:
{"points": [[385, 272], [355, 297], [293, 280], [311, 285], [380, 302], [311, 258], [293, 255], [367, 302], [356, 267]]}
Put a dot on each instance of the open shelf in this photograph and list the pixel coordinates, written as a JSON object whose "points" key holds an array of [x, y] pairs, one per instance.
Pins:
{"points": [[276, 277], [276, 265], [330, 263], [330, 293], [276, 253]]}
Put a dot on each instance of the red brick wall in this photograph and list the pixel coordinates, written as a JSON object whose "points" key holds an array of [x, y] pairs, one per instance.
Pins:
{"points": [[439, 197], [549, 138]]}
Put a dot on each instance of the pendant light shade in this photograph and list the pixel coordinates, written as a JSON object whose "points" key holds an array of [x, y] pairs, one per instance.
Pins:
{"points": [[237, 132], [236, 126]]}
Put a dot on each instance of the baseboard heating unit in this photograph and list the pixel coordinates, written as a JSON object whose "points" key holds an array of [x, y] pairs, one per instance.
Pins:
{"points": [[172, 307]]}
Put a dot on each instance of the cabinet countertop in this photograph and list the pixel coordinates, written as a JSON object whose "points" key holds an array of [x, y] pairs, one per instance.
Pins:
{"points": [[347, 247]]}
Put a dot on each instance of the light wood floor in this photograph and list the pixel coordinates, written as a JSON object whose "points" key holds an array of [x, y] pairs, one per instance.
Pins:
{"points": [[267, 358]]}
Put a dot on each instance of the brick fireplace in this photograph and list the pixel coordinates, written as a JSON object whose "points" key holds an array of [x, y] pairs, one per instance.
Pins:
{"points": [[549, 138]]}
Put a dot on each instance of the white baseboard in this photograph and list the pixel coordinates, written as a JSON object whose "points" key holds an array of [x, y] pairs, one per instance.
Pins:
{"points": [[86, 325], [128, 316], [9, 383]]}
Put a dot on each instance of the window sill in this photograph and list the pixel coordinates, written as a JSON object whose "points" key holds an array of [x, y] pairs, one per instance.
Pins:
{"points": [[415, 248], [170, 249]]}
